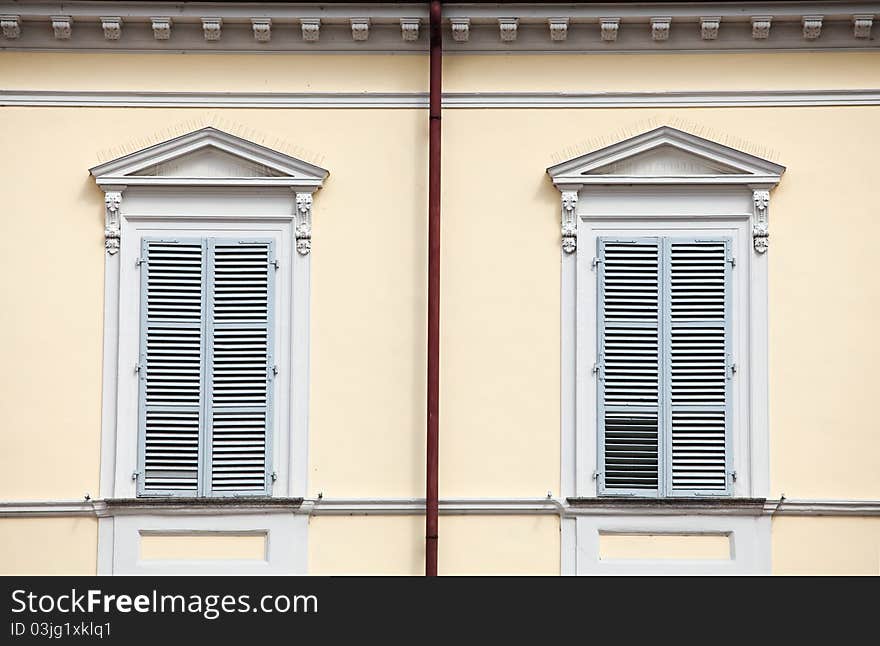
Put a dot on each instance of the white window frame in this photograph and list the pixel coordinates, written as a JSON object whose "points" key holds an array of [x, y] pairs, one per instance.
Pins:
{"points": [[229, 185], [663, 182]]}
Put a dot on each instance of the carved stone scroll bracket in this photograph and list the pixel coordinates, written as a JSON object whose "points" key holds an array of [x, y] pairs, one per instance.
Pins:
{"points": [[12, 26], [61, 27], [569, 221], [660, 28], [262, 29], [311, 29], [112, 26], [507, 29], [360, 29], [558, 28], [862, 24], [460, 29], [609, 27], [161, 27], [760, 226], [409, 28], [303, 230], [112, 202]]}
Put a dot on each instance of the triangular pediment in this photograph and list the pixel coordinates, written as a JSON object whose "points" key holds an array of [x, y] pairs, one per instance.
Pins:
{"points": [[664, 161], [666, 155], [208, 162], [209, 156]]}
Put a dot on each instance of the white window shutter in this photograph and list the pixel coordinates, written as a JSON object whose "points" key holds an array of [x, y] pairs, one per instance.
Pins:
{"points": [[628, 369], [697, 335], [170, 366], [241, 366]]}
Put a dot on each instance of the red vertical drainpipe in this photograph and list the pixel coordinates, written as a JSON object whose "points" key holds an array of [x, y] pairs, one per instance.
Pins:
{"points": [[433, 434]]}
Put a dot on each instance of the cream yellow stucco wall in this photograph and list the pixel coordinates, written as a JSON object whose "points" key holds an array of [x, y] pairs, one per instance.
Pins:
{"points": [[392, 545], [499, 545], [48, 545], [824, 545]]}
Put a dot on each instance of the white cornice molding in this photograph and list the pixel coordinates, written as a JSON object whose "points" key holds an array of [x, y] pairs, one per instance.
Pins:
{"points": [[468, 27], [451, 506], [408, 100]]}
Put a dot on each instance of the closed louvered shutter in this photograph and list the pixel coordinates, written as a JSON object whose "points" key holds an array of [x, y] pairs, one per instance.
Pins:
{"points": [[629, 368], [170, 366], [241, 360], [206, 367], [698, 339], [663, 366]]}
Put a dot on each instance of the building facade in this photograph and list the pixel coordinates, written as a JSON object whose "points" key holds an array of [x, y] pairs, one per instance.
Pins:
{"points": [[657, 308]]}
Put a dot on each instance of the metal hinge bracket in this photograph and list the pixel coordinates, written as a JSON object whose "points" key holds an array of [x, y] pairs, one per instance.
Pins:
{"points": [[596, 262], [135, 475]]}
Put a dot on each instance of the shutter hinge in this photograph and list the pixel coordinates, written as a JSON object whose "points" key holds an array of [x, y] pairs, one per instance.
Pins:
{"points": [[275, 369], [732, 261], [732, 368], [275, 264], [135, 475], [138, 367], [274, 476], [733, 475], [597, 369], [141, 261], [596, 262]]}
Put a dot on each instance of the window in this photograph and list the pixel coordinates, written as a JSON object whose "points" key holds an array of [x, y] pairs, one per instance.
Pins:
{"points": [[206, 366], [664, 365], [206, 349], [664, 318]]}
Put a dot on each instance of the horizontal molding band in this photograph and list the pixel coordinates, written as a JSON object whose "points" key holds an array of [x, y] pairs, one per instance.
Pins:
{"points": [[451, 100], [315, 27], [462, 506]]}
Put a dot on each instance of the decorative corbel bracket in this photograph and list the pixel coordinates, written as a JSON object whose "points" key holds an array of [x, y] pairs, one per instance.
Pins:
{"points": [[862, 24], [61, 27], [112, 202], [161, 27], [461, 29], [569, 221], [303, 228], [761, 27], [812, 27], [12, 26], [558, 28], [409, 28], [112, 26], [660, 28], [609, 28], [262, 29], [709, 27], [760, 226], [360, 29], [311, 29], [212, 28], [507, 29]]}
